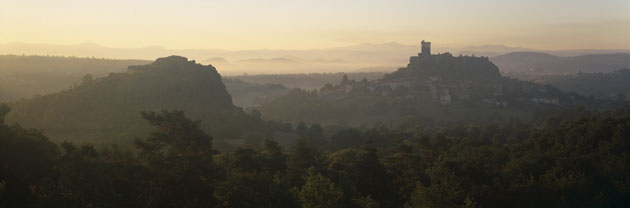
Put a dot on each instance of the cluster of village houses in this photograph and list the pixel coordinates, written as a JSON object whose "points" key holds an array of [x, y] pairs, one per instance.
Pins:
{"points": [[433, 87]]}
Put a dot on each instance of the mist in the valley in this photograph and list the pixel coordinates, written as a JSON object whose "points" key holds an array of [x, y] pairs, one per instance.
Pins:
{"points": [[367, 57], [315, 104]]}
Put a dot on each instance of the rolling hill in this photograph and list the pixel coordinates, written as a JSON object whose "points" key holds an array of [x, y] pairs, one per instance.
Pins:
{"points": [[25, 76], [107, 108]]}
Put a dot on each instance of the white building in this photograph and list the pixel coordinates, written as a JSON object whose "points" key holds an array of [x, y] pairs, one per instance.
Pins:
{"points": [[552, 100], [445, 98]]}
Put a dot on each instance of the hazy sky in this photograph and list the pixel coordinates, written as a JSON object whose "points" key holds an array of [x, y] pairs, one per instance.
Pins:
{"points": [[302, 24]]}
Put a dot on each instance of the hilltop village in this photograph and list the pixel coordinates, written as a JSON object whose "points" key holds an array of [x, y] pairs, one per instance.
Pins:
{"points": [[448, 80]]}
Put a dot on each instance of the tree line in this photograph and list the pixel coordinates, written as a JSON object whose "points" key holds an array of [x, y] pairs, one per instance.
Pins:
{"points": [[577, 159]]}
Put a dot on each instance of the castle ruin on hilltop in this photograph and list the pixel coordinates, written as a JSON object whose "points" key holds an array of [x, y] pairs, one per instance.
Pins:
{"points": [[446, 80], [426, 48], [425, 52]]}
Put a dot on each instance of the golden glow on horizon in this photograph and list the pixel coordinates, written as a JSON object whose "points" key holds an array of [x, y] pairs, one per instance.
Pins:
{"points": [[302, 24]]}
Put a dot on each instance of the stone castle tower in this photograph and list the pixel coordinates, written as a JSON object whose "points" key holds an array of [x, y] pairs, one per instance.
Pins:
{"points": [[425, 52], [426, 48]]}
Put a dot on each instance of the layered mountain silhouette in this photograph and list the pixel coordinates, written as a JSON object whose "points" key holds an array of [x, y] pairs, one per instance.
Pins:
{"points": [[543, 63]]}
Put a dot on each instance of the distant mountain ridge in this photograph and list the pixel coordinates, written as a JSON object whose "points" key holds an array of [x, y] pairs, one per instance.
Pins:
{"points": [[542, 63], [310, 60]]}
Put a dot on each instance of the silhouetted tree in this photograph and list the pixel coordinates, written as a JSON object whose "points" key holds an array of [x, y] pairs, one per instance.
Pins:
{"points": [[318, 191], [303, 156], [180, 157]]}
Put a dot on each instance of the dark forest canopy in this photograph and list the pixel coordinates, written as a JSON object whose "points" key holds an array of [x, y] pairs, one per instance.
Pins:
{"points": [[574, 159]]}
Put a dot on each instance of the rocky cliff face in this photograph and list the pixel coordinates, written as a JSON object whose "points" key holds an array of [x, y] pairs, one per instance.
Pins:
{"points": [[183, 82]]}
